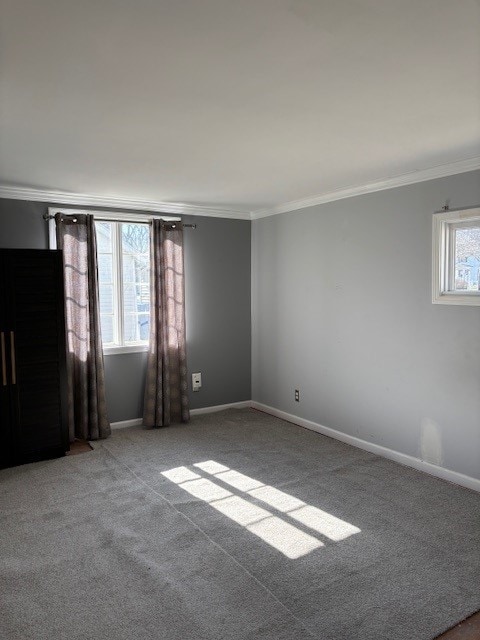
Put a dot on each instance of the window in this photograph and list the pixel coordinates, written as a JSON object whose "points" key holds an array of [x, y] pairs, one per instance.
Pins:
{"points": [[456, 257], [123, 250]]}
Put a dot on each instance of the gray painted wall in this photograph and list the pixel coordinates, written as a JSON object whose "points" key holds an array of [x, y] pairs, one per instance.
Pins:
{"points": [[22, 225], [217, 293], [369, 352], [218, 308]]}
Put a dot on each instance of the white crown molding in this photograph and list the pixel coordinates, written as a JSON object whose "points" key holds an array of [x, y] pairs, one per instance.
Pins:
{"points": [[86, 200], [178, 208], [421, 175]]}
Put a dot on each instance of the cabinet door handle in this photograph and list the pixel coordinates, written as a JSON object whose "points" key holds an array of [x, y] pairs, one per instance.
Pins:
{"points": [[12, 355], [4, 360]]}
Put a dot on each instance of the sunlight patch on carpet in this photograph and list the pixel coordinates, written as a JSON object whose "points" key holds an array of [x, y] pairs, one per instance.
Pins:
{"points": [[276, 529]]}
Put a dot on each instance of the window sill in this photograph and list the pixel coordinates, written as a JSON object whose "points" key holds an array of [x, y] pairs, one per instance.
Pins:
{"points": [[469, 299], [135, 348]]}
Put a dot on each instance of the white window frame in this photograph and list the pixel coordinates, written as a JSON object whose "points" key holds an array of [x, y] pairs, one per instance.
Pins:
{"points": [[111, 216], [117, 256], [443, 268]]}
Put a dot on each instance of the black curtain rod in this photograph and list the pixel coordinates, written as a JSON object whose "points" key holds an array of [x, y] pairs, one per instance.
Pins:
{"points": [[446, 208], [173, 223]]}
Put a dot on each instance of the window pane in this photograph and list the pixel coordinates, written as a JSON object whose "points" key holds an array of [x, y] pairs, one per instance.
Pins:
{"points": [[106, 322], [136, 298], [136, 281], [143, 269], [136, 327], [467, 259], [123, 260], [129, 298], [135, 238], [106, 298], [105, 273], [104, 236], [128, 268], [136, 268], [143, 297], [144, 324]]}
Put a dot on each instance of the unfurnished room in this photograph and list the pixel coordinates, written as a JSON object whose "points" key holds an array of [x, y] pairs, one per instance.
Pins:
{"points": [[240, 320]]}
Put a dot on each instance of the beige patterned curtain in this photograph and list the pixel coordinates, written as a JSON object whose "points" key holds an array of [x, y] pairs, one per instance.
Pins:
{"points": [[87, 412], [166, 398]]}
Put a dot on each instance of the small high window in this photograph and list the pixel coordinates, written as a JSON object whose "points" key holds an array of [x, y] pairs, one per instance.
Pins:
{"points": [[456, 257]]}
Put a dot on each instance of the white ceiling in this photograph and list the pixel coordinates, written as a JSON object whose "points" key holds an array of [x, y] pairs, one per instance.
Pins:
{"points": [[234, 104]]}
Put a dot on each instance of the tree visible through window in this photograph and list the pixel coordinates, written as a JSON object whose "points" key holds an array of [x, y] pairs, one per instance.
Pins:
{"points": [[124, 282], [467, 259]]}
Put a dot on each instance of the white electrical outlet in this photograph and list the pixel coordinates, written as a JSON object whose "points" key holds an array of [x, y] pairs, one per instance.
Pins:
{"points": [[196, 381]]}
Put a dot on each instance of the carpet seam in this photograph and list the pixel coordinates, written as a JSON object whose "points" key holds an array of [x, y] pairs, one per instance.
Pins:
{"points": [[216, 544]]}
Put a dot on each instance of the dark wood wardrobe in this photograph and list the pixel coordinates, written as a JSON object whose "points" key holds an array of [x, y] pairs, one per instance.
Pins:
{"points": [[33, 422]]}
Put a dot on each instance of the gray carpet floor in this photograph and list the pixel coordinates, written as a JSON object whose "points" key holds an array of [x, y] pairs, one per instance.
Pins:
{"points": [[237, 526]]}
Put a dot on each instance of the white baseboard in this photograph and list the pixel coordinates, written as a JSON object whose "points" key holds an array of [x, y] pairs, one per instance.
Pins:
{"points": [[221, 407], [391, 454], [193, 412], [127, 423], [385, 452]]}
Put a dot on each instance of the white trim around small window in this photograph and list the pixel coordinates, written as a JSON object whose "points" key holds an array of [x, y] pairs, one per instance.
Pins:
{"points": [[445, 286]]}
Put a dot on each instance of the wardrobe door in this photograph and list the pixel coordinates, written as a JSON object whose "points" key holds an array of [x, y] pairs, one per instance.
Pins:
{"points": [[36, 343], [5, 423], [5, 405]]}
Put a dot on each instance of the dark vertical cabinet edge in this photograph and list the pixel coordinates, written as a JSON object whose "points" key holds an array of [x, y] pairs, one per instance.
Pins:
{"points": [[5, 400], [33, 389]]}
